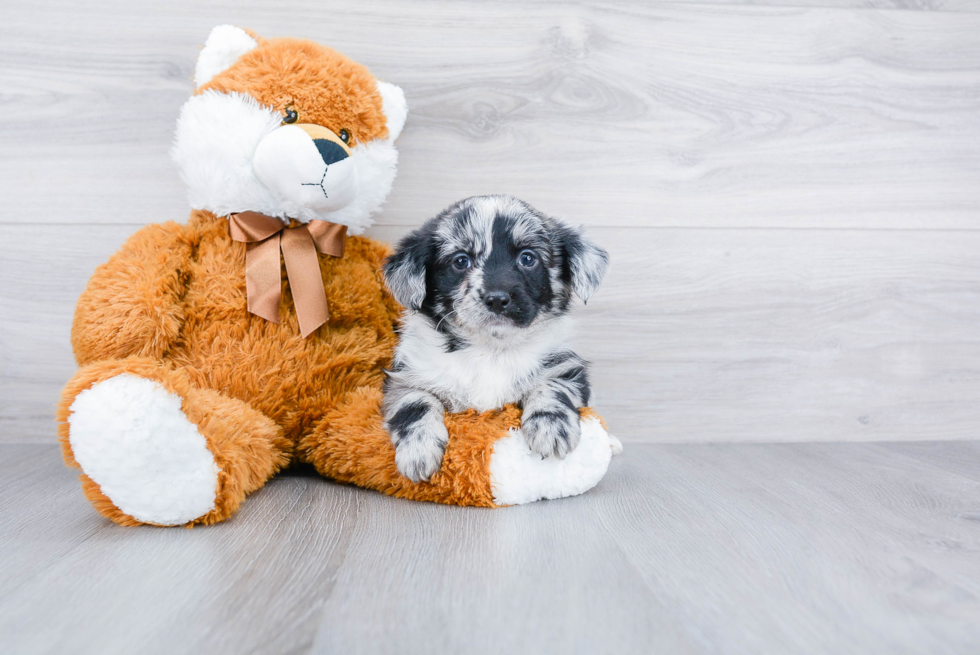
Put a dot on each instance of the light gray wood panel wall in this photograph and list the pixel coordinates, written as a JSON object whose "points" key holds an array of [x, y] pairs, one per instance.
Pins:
{"points": [[697, 334], [773, 335], [905, 5], [790, 193], [612, 113]]}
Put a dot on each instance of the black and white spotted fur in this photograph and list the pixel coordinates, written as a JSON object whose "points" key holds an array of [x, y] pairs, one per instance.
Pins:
{"points": [[487, 287]]}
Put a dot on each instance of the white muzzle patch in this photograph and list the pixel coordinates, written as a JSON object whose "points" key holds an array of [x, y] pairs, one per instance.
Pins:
{"points": [[289, 163], [235, 155]]}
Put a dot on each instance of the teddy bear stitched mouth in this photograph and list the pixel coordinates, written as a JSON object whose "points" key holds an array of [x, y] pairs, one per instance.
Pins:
{"points": [[331, 153], [320, 183]]}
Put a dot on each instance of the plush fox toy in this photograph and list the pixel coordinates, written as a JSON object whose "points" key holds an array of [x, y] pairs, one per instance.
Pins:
{"points": [[214, 353]]}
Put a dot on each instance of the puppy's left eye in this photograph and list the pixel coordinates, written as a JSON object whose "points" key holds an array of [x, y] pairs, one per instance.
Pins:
{"points": [[344, 136], [527, 259], [461, 262]]}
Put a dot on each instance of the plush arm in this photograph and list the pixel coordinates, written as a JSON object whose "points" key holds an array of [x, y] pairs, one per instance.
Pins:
{"points": [[132, 304], [550, 418]]}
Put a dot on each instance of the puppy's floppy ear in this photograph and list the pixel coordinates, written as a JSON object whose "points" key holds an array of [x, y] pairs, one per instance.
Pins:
{"points": [[404, 271], [587, 263]]}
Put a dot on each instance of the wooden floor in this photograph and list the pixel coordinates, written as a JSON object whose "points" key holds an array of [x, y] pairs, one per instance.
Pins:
{"points": [[686, 548]]}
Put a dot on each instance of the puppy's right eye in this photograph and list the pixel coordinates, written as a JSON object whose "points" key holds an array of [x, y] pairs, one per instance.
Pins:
{"points": [[461, 262], [290, 116]]}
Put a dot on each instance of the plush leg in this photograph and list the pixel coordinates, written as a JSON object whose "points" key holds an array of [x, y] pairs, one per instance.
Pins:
{"points": [[487, 461], [154, 449], [519, 475], [351, 445]]}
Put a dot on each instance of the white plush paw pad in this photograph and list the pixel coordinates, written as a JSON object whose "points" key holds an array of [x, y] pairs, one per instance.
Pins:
{"points": [[130, 436], [518, 475]]}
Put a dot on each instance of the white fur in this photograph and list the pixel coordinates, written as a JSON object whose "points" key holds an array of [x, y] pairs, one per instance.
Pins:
{"points": [[214, 147], [130, 436], [217, 134], [488, 373], [518, 475], [287, 162], [395, 108], [417, 459], [475, 235], [376, 163], [224, 46]]}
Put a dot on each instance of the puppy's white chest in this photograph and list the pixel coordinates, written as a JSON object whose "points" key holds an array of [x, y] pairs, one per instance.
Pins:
{"points": [[480, 379], [477, 376]]}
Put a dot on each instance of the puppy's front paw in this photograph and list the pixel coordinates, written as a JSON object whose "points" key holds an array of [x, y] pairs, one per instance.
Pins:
{"points": [[551, 433], [419, 460], [419, 448]]}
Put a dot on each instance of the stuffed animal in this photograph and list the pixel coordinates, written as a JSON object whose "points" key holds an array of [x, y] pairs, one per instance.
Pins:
{"points": [[205, 368]]}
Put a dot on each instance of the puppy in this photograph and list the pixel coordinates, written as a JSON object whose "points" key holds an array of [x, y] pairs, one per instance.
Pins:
{"points": [[487, 287]]}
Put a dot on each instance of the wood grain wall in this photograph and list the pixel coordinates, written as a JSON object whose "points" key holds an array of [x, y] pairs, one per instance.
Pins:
{"points": [[790, 189]]}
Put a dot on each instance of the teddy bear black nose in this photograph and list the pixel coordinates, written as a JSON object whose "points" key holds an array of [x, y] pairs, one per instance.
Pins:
{"points": [[330, 151], [497, 301]]}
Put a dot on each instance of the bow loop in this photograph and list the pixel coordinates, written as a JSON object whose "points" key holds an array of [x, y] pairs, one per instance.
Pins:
{"points": [[250, 227], [265, 236], [330, 238]]}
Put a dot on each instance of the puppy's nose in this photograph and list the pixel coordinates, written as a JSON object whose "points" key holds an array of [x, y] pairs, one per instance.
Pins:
{"points": [[330, 151], [497, 301]]}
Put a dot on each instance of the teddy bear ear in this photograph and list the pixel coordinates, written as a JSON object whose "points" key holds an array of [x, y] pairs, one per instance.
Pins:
{"points": [[224, 46], [395, 108]]}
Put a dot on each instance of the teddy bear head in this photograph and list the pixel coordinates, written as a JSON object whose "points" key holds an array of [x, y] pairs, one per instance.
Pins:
{"points": [[288, 128]]}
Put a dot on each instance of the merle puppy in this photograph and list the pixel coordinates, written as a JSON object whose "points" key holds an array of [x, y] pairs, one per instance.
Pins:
{"points": [[487, 286]]}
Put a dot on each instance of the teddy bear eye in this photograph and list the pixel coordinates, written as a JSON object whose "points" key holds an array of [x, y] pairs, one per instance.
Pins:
{"points": [[345, 136], [290, 116]]}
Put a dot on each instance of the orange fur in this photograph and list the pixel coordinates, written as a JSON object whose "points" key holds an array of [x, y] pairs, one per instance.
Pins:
{"points": [[323, 86], [350, 445], [153, 283]]}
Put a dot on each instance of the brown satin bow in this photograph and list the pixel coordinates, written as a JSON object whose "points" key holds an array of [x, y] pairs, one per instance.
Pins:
{"points": [[264, 236]]}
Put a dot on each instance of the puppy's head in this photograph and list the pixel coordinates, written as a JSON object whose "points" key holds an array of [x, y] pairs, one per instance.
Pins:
{"points": [[493, 265]]}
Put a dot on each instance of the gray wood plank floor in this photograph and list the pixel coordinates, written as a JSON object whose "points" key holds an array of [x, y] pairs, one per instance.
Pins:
{"points": [[684, 548]]}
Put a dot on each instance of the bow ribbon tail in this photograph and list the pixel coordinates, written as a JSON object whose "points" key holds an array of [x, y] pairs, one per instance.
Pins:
{"points": [[263, 278], [303, 271]]}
